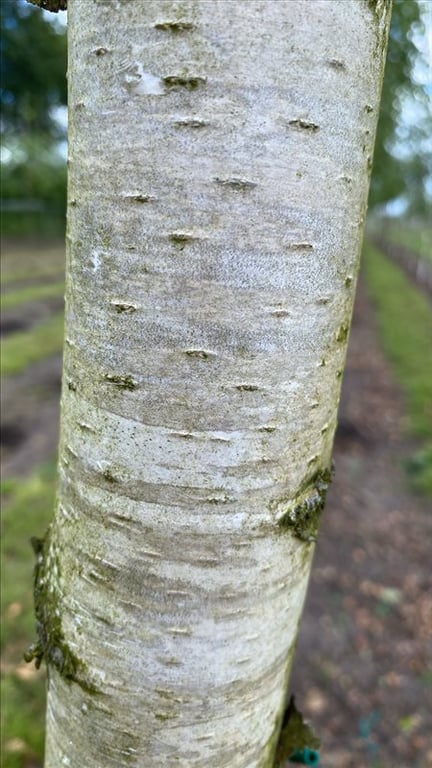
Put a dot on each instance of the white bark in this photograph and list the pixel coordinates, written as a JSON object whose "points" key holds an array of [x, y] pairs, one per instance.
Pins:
{"points": [[219, 160]]}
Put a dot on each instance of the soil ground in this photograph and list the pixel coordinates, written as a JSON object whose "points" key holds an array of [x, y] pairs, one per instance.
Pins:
{"points": [[363, 669]]}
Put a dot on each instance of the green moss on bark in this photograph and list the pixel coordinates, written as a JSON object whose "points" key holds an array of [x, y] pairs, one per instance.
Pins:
{"points": [[303, 519], [51, 644]]}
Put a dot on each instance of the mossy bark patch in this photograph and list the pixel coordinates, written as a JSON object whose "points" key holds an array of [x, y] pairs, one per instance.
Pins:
{"points": [[304, 518], [379, 6], [51, 644], [296, 737]]}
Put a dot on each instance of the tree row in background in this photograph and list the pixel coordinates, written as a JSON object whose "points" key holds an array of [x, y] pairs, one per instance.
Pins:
{"points": [[33, 96]]}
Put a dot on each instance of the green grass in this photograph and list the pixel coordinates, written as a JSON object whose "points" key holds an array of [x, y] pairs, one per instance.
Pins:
{"points": [[419, 467], [27, 509], [405, 324], [24, 348], [31, 293]]}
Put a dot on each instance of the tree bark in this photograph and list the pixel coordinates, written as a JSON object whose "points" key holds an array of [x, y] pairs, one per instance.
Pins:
{"points": [[218, 176]]}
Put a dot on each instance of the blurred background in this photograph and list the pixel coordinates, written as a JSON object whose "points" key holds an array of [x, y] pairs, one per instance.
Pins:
{"points": [[363, 671]]}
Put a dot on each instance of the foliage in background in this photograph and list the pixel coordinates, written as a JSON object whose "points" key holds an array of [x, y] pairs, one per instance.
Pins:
{"points": [[33, 64], [33, 89], [33, 59], [33, 188], [401, 160]]}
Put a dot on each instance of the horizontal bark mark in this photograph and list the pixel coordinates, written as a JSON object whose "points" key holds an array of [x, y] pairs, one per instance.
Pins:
{"points": [[174, 26], [235, 183], [139, 197], [122, 381], [299, 246], [337, 64], [304, 125], [181, 238], [190, 82], [201, 354], [85, 427], [191, 122], [124, 306], [101, 51]]}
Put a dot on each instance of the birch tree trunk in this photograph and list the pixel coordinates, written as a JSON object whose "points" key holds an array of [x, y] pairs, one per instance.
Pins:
{"points": [[218, 175]]}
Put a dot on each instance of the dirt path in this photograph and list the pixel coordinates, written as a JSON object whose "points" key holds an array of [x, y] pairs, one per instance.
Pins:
{"points": [[363, 671]]}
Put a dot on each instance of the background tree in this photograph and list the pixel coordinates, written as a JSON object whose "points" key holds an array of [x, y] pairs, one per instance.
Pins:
{"points": [[33, 61], [401, 159], [33, 90], [216, 209], [33, 87]]}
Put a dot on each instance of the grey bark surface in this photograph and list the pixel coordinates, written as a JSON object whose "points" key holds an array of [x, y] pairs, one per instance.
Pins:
{"points": [[218, 177]]}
